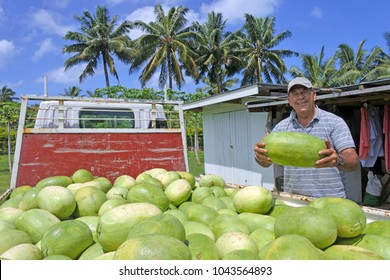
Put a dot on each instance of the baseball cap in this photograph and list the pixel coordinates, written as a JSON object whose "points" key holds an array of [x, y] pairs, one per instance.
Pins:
{"points": [[299, 81]]}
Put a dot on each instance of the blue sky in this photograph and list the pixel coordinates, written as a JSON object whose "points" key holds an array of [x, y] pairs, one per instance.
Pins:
{"points": [[31, 33]]}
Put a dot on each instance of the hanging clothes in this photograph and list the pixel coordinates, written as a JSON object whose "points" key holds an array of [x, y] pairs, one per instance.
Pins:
{"points": [[364, 143], [386, 132], [376, 138]]}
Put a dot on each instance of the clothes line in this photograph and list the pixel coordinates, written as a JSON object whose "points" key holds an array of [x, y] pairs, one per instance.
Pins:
{"points": [[374, 137]]}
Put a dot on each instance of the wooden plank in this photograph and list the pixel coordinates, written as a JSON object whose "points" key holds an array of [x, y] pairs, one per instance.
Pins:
{"points": [[104, 154]]}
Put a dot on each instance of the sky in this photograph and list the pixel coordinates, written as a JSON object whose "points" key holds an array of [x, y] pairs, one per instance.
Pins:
{"points": [[32, 34]]}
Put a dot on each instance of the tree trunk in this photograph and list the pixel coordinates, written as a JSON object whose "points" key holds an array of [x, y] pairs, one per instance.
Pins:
{"points": [[9, 147], [106, 76], [196, 140]]}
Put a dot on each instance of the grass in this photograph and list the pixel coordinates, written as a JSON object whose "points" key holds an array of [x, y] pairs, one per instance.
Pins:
{"points": [[5, 175], [194, 167]]}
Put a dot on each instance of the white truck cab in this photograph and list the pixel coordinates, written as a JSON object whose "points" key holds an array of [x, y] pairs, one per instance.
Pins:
{"points": [[77, 114]]}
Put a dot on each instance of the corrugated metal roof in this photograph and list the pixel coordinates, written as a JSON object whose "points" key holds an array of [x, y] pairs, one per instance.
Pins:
{"points": [[267, 95]]}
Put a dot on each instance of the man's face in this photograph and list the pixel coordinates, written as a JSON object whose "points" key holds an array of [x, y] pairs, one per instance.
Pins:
{"points": [[302, 99]]}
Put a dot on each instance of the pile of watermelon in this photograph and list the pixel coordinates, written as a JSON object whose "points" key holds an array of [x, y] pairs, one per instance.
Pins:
{"points": [[169, 215]]}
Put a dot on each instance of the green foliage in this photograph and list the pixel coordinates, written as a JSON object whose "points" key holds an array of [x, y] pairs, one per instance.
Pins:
{"points": [[7, 94], [167, 46], [98, 41]]}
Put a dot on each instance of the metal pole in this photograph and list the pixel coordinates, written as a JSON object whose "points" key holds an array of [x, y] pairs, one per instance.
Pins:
{"points": [[45, 92]]}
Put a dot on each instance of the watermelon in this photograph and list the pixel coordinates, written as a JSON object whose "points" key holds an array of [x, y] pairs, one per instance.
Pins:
{"points": [[228, 223], [60, 180], [23, 251], [314, 224], [232, 241], [11, 238], [294, 148], [202, 247], [153, 247], [291, 247], [348, 215], [57, 200], [114, 225], [350, 252], [82, 176], [210, 180], [146, 192], [35, 222], [178, 191], [69, 238], [253, 199], [162, 224]]}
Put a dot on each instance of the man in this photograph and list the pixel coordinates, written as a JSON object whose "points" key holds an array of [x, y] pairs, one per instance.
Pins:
{"points": [[325, 179]]}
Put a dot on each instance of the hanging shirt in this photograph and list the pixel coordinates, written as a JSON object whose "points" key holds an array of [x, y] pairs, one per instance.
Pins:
{"points": [[376, 139], [364, 143], [317, 182]]}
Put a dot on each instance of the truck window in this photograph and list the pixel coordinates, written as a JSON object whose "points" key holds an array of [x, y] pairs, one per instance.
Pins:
{"points": [[96, 118]]}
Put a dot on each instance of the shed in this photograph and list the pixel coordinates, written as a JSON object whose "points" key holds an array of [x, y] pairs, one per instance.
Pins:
{"points": [[234, 121]]}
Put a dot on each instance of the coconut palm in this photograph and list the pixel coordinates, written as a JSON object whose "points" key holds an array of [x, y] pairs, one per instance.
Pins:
{"points": [[167, 44], [355, 67], [381, 71], [213, 88], [7, 94], [9, 113], [100, 38], [217, 51], [72, 91], [319, 70], [387, 38], [263, 61]]}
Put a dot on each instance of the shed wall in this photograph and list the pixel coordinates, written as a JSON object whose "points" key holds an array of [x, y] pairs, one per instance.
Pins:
{"points": [[230, 133]]}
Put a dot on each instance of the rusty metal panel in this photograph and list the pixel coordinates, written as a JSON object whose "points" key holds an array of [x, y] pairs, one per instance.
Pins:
{"points": [[104, 154]]}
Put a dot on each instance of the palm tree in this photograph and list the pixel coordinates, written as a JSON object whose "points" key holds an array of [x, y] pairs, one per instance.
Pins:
{"points": [[7, 94], [72, 91], [381, 71], [9, 113], [387, 38], [166, 45], [217, 51], [213, 88], [98, 40], [262, 59], [319, 70], [355, 67]]}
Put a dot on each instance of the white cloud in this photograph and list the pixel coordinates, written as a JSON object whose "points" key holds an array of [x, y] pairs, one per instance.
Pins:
{"points": [[59, 4], [234, 10], [46, 46], [7, 50], [145, 14], [70, 76], [316, 12], [48, 23]]}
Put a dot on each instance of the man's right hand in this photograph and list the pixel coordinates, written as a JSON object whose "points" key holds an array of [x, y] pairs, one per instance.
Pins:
{"points": [[260, 154]]}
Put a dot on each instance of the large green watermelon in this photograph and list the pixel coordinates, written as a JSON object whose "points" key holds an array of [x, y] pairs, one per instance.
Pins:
{"points": [[69, 238], [153, 247]]}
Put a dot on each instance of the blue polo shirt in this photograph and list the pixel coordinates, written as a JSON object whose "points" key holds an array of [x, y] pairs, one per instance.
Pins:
{"points": [[317, 182]]}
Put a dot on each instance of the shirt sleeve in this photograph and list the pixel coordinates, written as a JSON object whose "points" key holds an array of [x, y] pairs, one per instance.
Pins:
{"points": [[341, 136]]}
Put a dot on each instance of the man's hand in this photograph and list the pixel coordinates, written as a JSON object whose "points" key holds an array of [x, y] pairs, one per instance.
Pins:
{"points": [[260, 153], [330, 159]]}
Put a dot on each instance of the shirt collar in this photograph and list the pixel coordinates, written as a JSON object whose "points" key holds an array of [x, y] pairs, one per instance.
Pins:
{"points": [[293, 116]]}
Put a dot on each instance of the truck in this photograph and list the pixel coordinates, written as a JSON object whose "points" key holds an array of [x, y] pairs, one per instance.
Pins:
{"points": [[58, 135], [109, 137]]}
